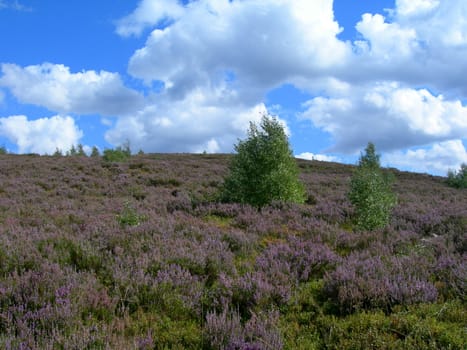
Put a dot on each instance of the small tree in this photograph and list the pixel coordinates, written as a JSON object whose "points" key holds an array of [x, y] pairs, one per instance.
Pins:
{"points": [[58, 152], [95, 152], [120, 154], [264, 169], [72, 152], [80, 151], [370, 192], [458, 179]]}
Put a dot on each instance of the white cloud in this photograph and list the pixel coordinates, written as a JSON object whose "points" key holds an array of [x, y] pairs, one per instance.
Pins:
{"points": [[409, 8], [54, 87], [149, 13], [389, 115], [196, 124], [400, 85], [215, 76], [261, 43], [13, 5], [388, 41], [437, 159], [424, 43], [42, 135], [252, 46], [428, 114], [437, 22], [321, 157]]}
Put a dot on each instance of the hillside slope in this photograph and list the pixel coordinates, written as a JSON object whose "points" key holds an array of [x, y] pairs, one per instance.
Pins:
{"points": [[139, 254]]}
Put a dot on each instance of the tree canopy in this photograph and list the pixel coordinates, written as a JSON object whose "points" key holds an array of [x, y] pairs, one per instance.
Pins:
{"points": [[264, 169], [370, 192], [458, 179]]}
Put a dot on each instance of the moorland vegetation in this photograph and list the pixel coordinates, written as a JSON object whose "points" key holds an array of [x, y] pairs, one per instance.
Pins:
{"points": [[141, 253]]}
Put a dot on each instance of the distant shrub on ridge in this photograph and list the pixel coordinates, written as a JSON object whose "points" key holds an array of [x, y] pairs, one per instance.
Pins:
{"points": [[458, 179], [120, 154]]}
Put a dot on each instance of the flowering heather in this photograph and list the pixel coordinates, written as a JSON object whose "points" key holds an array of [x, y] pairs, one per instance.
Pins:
{"points": [[140, 254], [225, 331], [380, 281]]}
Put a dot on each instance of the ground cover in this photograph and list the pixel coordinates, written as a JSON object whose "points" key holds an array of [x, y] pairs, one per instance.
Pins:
{"points": [[139, 254]]}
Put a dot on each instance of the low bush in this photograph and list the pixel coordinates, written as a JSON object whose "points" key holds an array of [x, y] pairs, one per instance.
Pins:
{"points": [[366, 282], [458, 179], [119, 154], [225, 331], [406, 329]]}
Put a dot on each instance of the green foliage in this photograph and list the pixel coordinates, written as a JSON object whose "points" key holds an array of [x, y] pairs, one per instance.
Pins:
{"points": [[82, 257], [458, 179], [263, 170], [95, 152], [421, 327], [120, 154], [3, 150], [370, 159], [165, 332], [74, 151], [298, 324], [370, 192], [80, 151], [129, 216], [58, 152]]}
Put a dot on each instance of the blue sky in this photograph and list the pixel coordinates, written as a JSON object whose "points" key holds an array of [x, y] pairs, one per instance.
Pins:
{"points": [[188, 76]]}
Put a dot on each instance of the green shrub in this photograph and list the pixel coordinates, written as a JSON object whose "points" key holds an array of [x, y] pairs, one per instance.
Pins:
{"points": [[82, 257], [458, 179], [120, 154], [95, 152], [407, 329], [263, 170], [370, 192], [129, 216], [58, 152]]}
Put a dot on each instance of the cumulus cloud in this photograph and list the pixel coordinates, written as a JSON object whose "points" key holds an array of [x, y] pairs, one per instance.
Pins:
{"points": [[259, 43], [54, 87], [149, 13], [195, 124], [411, 8], [422, 43], [385, 42], [321, 157], [436, 22], [256, 45], [436, 159], [215, 76], [398, 85], [43, 135], [389, 115], [382, 87]]}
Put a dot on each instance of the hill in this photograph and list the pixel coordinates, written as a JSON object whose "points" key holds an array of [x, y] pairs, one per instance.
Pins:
{"points": [[139, 255]]}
